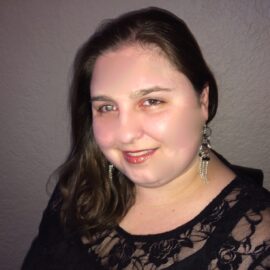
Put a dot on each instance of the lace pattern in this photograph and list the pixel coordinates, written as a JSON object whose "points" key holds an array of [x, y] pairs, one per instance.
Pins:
{"points": [[233, 232]]}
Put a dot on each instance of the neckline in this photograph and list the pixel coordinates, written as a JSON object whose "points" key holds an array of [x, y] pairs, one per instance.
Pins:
{"points": [[163, 235]]}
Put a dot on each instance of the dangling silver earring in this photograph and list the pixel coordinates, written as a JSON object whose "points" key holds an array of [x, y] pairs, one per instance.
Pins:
{"points": [[204, 153], [111, 168]]}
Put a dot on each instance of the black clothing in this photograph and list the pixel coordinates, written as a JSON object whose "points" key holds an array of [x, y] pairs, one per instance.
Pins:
{"points": [[232, 232]]}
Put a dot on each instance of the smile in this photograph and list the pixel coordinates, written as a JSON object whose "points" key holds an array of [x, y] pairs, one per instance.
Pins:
{"points": [[135, 157]]}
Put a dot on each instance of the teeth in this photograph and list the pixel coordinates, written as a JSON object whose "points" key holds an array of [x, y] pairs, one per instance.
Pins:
{"points": [[137, 154]]}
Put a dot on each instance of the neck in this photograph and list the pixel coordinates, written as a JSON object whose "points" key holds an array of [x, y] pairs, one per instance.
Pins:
{"points": [[181, 188], [177, 202]]}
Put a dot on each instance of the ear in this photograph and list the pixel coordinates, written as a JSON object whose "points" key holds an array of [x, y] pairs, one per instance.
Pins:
{"points": [[204, 102]]}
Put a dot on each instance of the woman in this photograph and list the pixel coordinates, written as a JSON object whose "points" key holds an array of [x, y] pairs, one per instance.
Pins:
{"points": [[141, 188]]}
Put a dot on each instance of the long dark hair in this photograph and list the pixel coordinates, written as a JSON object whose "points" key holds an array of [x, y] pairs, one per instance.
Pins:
{"points": [[90, 201]]}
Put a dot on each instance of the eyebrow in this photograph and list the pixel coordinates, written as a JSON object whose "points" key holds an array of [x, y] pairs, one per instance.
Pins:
{"points": [[100, 98], [136, 94], [144, 92]]}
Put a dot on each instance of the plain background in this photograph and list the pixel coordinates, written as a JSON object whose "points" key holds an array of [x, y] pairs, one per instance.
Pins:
{"points": [[39, 40]]}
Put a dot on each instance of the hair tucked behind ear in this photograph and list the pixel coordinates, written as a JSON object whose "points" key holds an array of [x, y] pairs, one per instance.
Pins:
{"points": [[90, 201]]}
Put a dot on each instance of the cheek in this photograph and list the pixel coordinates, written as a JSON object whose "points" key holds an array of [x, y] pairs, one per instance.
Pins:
{"points": [[177, 129], [102, 133]]}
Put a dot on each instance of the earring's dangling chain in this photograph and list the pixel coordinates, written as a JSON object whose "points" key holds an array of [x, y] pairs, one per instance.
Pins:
{"points": [[111, 172], [204, 153]]}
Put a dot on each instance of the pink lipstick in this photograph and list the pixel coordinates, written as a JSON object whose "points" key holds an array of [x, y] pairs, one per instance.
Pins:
{"points": [[135, 157]]}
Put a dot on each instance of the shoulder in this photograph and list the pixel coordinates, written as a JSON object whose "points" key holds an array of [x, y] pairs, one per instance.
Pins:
{"points": [[254, 218], [256, 196], [244, 230], [53, 244], [250, 235], [253, 204], [257, 215]]}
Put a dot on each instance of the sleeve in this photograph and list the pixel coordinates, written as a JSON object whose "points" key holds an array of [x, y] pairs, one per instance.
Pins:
{"points": [[249, 242], [244, 236], [55, 247], [260, 238], [50, 233]]}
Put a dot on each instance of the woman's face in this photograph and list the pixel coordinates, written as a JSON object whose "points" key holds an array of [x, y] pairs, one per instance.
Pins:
{"points": [[147, 117]]}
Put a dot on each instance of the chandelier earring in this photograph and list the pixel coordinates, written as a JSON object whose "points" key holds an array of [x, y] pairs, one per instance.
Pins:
{"points": [[111, 169], [204, 153]]}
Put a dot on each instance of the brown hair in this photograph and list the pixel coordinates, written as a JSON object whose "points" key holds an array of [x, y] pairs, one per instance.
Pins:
{"points": [[90, 202]]}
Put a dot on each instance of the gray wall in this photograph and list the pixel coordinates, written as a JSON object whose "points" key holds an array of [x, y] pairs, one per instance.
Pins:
{"points": [[38, 42]]}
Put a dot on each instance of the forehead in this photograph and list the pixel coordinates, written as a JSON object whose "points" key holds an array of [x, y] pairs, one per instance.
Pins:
{"points": [[131, 65], [129, 55]]}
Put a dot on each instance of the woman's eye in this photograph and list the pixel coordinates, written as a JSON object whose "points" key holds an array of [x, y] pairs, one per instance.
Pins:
{"points": [[106, 108], [152, 102]]}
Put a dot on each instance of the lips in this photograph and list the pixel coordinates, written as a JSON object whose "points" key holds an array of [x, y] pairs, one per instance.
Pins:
{"points": [[135, 157]]}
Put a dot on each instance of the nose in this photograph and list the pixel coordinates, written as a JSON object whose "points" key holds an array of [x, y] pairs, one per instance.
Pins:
{"points": [[130, 127]]}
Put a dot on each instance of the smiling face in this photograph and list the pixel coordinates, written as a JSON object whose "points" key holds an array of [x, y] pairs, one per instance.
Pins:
{"points": [[147, 117]]}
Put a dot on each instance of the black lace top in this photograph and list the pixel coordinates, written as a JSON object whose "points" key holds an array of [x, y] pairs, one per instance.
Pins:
{"points": [[232, 232]]}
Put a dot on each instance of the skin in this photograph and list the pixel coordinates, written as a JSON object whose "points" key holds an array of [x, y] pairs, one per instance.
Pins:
{"points": [[147, 120]]}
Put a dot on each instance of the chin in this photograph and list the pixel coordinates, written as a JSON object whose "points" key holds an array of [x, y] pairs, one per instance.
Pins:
{"points": [[143, 181]]}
